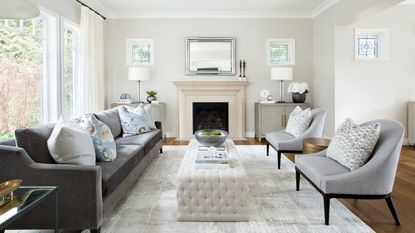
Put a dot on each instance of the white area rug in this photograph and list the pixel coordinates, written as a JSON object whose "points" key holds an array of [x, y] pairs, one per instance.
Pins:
{"points": [[275, 206]]}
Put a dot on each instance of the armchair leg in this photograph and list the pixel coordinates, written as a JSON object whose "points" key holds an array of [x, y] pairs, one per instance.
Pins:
{"points": [[326, 209], [98, 230], [267, 148], [279, 159], [161, 150], [297, 180], [393, 210]]}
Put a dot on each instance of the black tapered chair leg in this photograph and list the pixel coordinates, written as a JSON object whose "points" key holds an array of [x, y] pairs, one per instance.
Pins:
{"points": [[279, 159], [267, 148], [393, 210], [161, 150], [297, 180], [326, 209], [98, 230]]}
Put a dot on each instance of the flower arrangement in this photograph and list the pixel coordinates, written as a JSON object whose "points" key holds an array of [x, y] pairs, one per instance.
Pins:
{"points": [[300, 88]]}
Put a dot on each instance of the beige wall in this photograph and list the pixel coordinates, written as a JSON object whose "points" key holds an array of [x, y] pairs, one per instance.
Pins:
{"points": [[367, 90], [169, 36]]}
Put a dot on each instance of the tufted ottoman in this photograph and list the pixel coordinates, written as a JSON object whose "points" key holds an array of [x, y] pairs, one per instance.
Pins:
{"points": [[207, 192]]}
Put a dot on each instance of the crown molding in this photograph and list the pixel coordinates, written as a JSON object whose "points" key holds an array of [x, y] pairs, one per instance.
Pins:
{"points": [[211, 15], [323, 7], [100, 7]]}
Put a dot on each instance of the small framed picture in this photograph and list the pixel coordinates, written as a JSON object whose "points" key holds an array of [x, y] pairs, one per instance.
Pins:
{"points": [[281, 52], [140, 52]]}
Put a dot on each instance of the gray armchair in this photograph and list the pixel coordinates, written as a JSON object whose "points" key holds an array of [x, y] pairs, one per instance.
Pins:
{"points": [[374, 180], [285, 142]]}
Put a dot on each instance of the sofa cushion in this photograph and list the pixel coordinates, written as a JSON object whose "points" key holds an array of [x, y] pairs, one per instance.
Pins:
{"points": [[111, 118], [113, 173], [148, 140], [275, 138], [35, 142], [316, 167]]}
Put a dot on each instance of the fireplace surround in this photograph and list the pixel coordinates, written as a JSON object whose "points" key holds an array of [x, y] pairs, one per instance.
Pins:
{"points": [[231, 92]]}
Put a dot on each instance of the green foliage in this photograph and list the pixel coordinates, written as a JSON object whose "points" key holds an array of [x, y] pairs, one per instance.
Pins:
{"points": [[5, 135], [151, 93]]}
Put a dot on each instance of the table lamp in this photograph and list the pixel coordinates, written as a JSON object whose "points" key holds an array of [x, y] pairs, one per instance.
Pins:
{"points": [[138, 74], [281, 74]]}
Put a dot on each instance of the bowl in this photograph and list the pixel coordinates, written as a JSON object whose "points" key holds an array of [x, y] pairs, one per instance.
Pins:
{"points": [[211, 137]]}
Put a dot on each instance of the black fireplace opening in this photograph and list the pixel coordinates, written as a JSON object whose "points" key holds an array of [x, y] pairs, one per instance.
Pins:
{"points": [[213, 115]]}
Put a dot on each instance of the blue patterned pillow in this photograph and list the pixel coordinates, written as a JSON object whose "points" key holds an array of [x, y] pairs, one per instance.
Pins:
{"points": [[104, 144], [132, 123], [144, 110]]}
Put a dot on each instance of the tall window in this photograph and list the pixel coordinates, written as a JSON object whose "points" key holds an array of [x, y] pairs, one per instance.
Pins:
{"points": [[70, 46], [21, 74]]}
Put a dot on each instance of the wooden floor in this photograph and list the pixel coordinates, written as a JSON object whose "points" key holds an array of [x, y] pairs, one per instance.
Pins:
{"points": [[375, 213]]}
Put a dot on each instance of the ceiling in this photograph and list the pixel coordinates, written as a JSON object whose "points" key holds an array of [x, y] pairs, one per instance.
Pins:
{"points": [[210, 8]]}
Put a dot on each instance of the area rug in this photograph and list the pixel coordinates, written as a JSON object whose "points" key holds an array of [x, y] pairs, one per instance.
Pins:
{"points": [[275, 206]]}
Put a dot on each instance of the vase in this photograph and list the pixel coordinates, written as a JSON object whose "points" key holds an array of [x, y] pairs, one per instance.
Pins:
{"points": [[298, 98], [151, 98]]}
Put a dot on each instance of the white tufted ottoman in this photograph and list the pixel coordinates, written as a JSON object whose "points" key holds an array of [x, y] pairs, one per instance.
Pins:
{"points": [[212, 192]]}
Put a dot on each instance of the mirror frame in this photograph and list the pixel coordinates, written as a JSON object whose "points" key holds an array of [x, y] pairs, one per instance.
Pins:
{"points": [[231, 40]]}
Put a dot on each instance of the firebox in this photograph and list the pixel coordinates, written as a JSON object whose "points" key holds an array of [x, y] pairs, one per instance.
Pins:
{"points": [[211, 115]]}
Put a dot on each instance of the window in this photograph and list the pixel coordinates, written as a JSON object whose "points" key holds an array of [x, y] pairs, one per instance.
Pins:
{"points": [[281, 52], [22, 65], [371, 44], [70, 53], [32, 69]]}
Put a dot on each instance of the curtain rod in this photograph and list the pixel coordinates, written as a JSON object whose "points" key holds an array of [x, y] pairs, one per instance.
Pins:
{"points": [[85, 5]]}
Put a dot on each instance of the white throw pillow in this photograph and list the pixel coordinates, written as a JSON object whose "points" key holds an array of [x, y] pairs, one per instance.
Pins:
{"points": [[69, 143], [299, 121], [352, 144]]}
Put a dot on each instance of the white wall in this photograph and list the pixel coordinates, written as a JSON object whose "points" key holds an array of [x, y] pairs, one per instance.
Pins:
{"points": [[70, 9], [367, 90], [342, 13], [169, 36]]}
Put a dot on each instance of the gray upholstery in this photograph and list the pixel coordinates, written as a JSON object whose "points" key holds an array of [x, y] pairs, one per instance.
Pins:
{"points": [[86, 193], [376, 177], [9, 142], [283, 141], [114, 172], [148, 139], [35, 142], [111, 118]]}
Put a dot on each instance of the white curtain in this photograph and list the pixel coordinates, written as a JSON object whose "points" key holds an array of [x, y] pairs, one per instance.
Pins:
{"points": [[89, 91]]}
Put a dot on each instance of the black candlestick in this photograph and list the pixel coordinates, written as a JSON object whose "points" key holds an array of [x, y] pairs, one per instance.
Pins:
{"points": [[244, 66], [240, 68]]}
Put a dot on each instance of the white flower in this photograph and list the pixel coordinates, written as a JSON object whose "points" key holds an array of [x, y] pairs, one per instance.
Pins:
{"points": [[298, 87]]}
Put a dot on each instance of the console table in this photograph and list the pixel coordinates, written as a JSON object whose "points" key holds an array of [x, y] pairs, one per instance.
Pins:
{"points": [[271, 117], [158, 113]]}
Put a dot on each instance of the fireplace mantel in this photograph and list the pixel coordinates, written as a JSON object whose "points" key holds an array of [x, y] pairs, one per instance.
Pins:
{"points": [[232, 92]]}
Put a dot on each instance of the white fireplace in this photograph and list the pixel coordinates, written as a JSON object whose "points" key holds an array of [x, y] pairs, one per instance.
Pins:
{"points": [[231, 92]]}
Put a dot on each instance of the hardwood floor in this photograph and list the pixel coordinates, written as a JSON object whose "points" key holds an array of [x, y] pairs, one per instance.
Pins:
{"points": [[375, 213]]}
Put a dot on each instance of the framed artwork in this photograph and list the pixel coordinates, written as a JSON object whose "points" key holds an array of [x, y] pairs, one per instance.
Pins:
{"points": [[139, 52], [371, 44], [281, 52]]}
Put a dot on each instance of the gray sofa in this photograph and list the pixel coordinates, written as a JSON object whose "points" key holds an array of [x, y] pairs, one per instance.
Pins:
{"points": [[86, 193]]}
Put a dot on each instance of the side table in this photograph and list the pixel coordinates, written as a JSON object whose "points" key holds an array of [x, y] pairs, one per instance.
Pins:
{"points": [[314, 145], [25, 199]]}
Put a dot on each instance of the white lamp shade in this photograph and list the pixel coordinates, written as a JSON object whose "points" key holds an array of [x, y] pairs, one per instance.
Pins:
{"points": [[138, 73], [19, 9], [281, 73]]}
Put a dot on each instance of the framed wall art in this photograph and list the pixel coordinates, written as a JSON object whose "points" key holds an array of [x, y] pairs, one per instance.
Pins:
{"points": [[281, 52], [139, 52]]}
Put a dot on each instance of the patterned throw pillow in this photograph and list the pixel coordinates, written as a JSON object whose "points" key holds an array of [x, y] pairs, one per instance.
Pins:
{"points": [[144, 110], [299, 121], [352, 144], [132, 123], [104, 143]]}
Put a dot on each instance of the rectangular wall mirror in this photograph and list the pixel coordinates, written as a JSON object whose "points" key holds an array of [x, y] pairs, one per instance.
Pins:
{"points": [[210, 56]]}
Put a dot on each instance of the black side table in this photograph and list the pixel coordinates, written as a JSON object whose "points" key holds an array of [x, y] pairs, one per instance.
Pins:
{"points": [[25, 199]]}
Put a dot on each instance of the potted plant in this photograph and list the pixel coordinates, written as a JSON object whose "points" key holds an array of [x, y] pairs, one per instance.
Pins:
{"points": [[151, 96], [298, 91]]}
